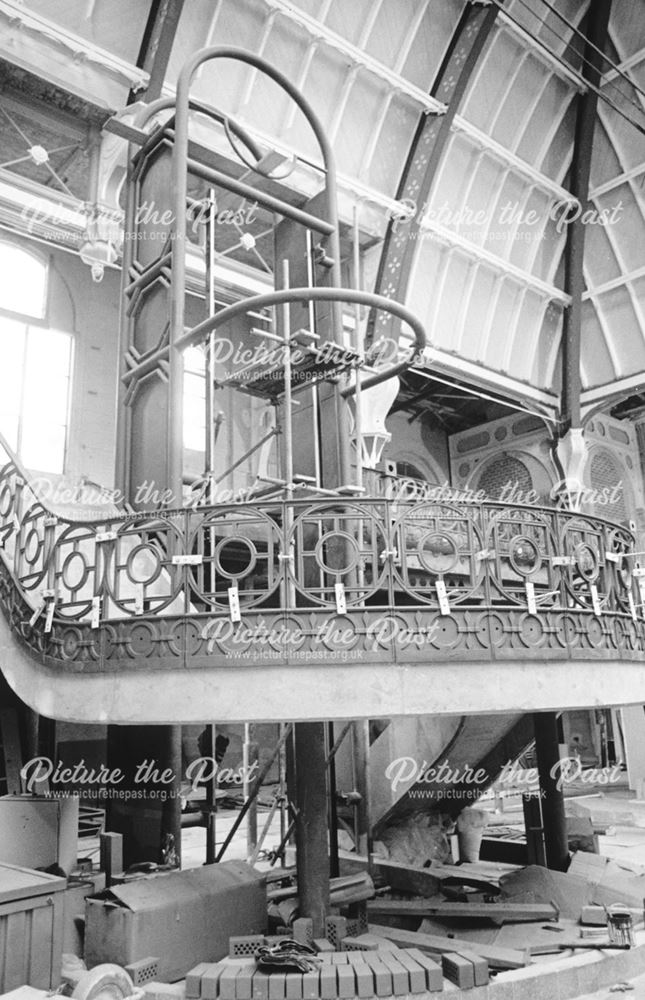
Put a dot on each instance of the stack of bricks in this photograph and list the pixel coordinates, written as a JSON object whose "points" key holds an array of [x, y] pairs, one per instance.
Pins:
{"points": [[339, 974], [365, 966]]}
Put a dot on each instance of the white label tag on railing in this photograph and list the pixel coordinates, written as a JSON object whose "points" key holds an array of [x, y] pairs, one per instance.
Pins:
{"points": [[485, 554], [105, 536], [341, 603], [632, 606], [51, 522], [595, 600], [138, 599], [444, 603], [641, 589], [530, 598], [49, 617], [562, 560], [234, 604], [613, 557], [187, 560], [95, 619], [36, 615]]}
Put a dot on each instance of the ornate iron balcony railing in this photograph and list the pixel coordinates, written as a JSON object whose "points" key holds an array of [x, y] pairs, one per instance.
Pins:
{"points": [[314, 580]]}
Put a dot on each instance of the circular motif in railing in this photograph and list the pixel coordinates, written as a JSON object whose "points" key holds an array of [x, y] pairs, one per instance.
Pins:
{"points": [[70, 642], [337, 552], [491, 629], [531, 630], [586, 562], [141, 640], [595, 632], [524, 555], [75, 571], [620, 633], [6, 500], [567, 630], [235, 557], [143, 564], [624, 568], [446, 634], [438, 552], [33, 544]]}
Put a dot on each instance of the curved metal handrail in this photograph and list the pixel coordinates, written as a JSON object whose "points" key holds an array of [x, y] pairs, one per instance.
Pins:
{"points": [[424, 578]]}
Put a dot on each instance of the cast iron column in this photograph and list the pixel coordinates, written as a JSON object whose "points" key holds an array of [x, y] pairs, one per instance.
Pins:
{"points": [[311, 823], [553, 818]]}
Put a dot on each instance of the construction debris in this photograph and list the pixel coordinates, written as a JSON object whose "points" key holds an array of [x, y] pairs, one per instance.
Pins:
{"points": [[610, 881], [498, 958], [541, 885], [499, 913]]}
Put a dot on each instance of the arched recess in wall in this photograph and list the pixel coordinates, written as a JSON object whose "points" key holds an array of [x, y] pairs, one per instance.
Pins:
{"points": [[412, 467], [609, 479], [512, 474]]}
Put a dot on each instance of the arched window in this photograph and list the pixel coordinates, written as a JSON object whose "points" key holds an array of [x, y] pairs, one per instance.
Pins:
{"points": [[35, 368], [24, 282]]}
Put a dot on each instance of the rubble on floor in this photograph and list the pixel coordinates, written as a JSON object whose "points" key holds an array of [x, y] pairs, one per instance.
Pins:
{"points": [[227, 931]]}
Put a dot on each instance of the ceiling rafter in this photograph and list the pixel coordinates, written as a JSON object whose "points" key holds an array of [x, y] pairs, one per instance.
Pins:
{"points": [[498, 264], [156, 45], [623, 67], [541, 50], [412, 32], [504, 155], [624, 178], [595, 291], [359, 59]]}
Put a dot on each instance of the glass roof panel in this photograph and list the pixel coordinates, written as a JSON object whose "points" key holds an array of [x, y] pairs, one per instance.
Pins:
{"points": [[600, 259], [596, 362], [101, 22], [430, 41], [626, 226], [490, 85], [554, 99], [616, 310]]}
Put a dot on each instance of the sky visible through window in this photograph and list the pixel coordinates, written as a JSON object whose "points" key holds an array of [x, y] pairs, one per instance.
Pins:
{"points": [[36, 368]]}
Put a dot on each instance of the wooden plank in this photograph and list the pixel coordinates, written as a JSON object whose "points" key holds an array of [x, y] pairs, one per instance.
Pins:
{"points": [[345, 888], [406, 878], [500, 913], [499, 958]]}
